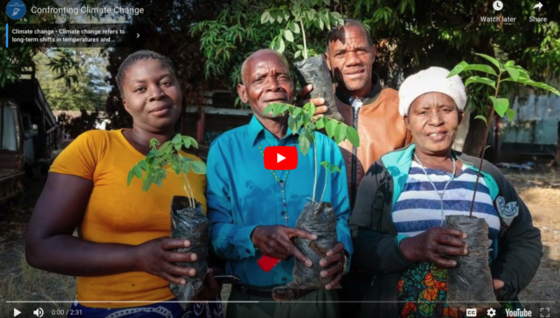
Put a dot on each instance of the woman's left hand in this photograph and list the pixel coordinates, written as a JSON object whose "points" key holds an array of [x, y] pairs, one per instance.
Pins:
{"points": [[211, 288], [334, 264]]}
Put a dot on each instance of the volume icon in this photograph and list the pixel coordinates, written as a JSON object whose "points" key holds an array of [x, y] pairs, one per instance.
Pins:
{"points": [[39, 312]]}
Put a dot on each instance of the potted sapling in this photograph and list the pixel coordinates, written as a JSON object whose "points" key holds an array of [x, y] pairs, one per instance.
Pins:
{"points": [[311, 70], [318, 217], [187, 218], [469, 284]]}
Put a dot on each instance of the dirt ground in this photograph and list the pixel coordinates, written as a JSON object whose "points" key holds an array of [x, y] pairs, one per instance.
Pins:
{"points": [[539, 189]]}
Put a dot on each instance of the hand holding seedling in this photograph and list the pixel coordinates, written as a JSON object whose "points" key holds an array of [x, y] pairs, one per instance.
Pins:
{"points": [[277, 241], [334, 265], [157, 257], [321, 107], [434, 245]]}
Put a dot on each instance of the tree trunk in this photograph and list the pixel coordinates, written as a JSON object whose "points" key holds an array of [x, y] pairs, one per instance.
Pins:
{"points": [[477, 137]]}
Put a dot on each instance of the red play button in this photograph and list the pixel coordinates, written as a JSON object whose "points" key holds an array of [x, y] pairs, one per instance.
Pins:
{"points": [[280, 158]]}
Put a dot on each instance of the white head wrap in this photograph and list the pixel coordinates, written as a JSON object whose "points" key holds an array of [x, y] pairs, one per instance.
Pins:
{"points": [[433, 79]]}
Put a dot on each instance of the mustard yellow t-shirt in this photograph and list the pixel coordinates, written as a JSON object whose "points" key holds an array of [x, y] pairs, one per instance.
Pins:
{"points": [[117, 213]]}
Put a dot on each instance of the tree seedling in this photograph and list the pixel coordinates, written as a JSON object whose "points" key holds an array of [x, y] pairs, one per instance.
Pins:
{"points": [[160, 160], [499, 74]]}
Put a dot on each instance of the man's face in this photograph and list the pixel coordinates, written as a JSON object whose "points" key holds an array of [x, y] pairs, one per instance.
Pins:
{"points": [[266, 80], [351, 59]]}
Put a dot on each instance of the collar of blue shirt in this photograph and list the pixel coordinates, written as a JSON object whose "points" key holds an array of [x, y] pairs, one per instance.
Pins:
{"points": [[256, 132]]}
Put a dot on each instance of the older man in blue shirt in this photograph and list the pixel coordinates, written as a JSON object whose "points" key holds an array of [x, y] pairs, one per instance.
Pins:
{"points": [[253, 211]]}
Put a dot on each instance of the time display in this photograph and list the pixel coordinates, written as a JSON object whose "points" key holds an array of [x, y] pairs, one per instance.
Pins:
{"points": [[66, 312]]}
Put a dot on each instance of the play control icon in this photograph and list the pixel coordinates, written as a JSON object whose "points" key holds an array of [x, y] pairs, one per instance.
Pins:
{"points": [[16, 312], [280, 157]]}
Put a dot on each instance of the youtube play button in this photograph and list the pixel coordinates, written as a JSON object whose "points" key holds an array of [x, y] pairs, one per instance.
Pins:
{"points": [[280, 158]]}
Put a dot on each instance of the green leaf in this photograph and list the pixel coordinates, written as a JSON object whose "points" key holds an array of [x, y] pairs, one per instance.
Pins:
{"points": [[458, 69], [311, 108], [513, 72], [325, 164], [340, 134], [336, 169], [353, 136], [541, 86], [198, 167], [331, 127], [194, 143], [294, 27], [187, 142], [490, 59], [510, 63], [500, 105], [481, 68], [320, 123], [304, 144], [137, 172], [177, 139], [265, 17], [481, 80], [510, 113], [165, 148], [281, 46], [142, 164], [154, 143], [327, 2], [288, 35], [130, 176], [297, 54], [297, 111], [483, 118], [292, 124]]}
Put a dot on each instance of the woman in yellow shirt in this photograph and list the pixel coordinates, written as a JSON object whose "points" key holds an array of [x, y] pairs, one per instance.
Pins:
{"points": [[123, 256]]}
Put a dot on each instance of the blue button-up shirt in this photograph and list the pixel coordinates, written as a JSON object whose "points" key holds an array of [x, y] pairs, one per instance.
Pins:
{"points": [[242, 195]]}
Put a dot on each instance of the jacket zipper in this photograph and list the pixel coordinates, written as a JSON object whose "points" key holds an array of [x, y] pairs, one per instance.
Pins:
{"points": [[354, 161]]}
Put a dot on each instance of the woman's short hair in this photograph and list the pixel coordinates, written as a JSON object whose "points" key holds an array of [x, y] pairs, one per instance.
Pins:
{"points": [[141, 56]]}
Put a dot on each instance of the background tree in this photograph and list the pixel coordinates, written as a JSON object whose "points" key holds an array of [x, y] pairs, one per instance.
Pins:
{"points": [[89, 92], [411, 35]]}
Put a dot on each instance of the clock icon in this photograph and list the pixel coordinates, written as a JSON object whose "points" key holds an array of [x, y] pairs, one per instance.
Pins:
{"points": [[498, 5]]}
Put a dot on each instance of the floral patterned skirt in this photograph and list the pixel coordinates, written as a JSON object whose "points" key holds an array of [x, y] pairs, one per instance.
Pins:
{"points": [[422, 292]]}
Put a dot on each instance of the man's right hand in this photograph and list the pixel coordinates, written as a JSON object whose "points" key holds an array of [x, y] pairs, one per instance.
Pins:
{"points": [[276, 241], [157, 257], [434, 245], [319, 103]]}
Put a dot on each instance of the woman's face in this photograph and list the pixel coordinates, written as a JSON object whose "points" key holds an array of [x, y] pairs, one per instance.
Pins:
{"points": [[433, 119], [152, 96]]}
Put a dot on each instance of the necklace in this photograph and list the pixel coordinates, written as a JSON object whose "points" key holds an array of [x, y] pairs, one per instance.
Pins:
{"points": [[433, 185], [282, 183]]}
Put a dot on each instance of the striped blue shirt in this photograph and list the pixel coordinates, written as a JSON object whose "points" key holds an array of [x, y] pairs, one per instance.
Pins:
{"points": [[418, 207]]}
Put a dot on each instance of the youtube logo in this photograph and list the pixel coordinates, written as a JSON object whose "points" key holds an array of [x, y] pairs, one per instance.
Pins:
{"points": [[280, 158]]}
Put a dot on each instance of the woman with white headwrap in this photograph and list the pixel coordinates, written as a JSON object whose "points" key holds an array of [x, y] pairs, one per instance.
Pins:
{"points": [[398, 223]]}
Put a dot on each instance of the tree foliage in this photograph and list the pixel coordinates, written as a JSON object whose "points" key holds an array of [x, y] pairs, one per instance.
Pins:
{"points": [[89, 91]]}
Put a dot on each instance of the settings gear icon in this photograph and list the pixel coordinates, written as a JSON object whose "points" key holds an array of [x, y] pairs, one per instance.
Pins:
{"points": [[491, 312]]}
